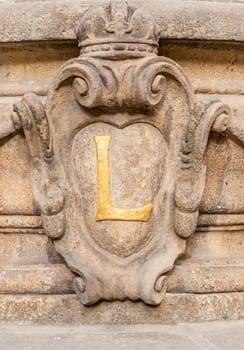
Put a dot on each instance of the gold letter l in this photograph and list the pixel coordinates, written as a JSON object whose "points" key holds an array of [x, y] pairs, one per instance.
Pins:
{"points": [[106, 210]]}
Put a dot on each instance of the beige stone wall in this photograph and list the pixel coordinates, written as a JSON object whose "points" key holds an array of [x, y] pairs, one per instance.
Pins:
{"points": [[206, 38]]}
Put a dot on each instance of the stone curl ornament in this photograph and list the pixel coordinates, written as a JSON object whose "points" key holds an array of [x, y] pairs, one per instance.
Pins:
{"points": [[117, 157]]}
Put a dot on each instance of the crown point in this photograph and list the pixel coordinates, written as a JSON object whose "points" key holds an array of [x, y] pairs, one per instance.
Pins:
{"points": [[119, 6]]}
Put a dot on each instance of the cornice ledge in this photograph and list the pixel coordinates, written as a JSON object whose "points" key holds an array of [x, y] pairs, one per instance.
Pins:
{"points": [[50, 20]]}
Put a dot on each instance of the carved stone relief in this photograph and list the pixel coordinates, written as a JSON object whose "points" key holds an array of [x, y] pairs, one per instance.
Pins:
{"points": [[117, 157]]}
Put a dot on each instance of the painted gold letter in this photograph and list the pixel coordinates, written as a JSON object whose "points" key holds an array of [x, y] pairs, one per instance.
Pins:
{"points": [[106, 210]]}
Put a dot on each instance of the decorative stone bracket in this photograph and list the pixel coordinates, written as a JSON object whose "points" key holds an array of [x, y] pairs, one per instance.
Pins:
{"points": [[117, 157]]}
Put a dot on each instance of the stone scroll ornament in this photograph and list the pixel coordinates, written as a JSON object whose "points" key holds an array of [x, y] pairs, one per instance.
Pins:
{"points": [[117, 157]]}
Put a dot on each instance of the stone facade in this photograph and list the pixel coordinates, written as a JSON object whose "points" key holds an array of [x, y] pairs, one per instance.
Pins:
{"points": [[122, 169]]}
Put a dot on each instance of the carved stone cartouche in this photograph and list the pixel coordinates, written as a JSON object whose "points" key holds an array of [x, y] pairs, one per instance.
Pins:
{"points": [[117, 157]]}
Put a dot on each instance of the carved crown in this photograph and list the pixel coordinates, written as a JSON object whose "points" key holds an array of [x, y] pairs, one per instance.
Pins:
{"points": [[117, 30]]}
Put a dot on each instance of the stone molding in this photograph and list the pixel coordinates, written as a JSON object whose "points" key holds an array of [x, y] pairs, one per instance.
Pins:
{"points": [[184, 20], [207, 222], [187, 277], [67, 309]]}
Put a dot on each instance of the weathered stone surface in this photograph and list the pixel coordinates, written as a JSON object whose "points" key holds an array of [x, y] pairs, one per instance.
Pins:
{"points": [[207, 277], [220, 220], [124, 238], [35, 279], [176, 308], [21, 87], [146, 107], [215, 69], [55, 20], [18, 249], [187, 277], [216, 245], [218, 335], [91, 99], [34, 65], [221, 70], [20, 222], [144, 89], [15, 185]]}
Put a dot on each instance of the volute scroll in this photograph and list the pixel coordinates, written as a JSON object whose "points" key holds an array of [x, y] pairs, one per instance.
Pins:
{"points": [[117, 157]]}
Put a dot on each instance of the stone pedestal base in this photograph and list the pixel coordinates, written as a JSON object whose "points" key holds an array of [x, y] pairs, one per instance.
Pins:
{"points": [[176, 308]]}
